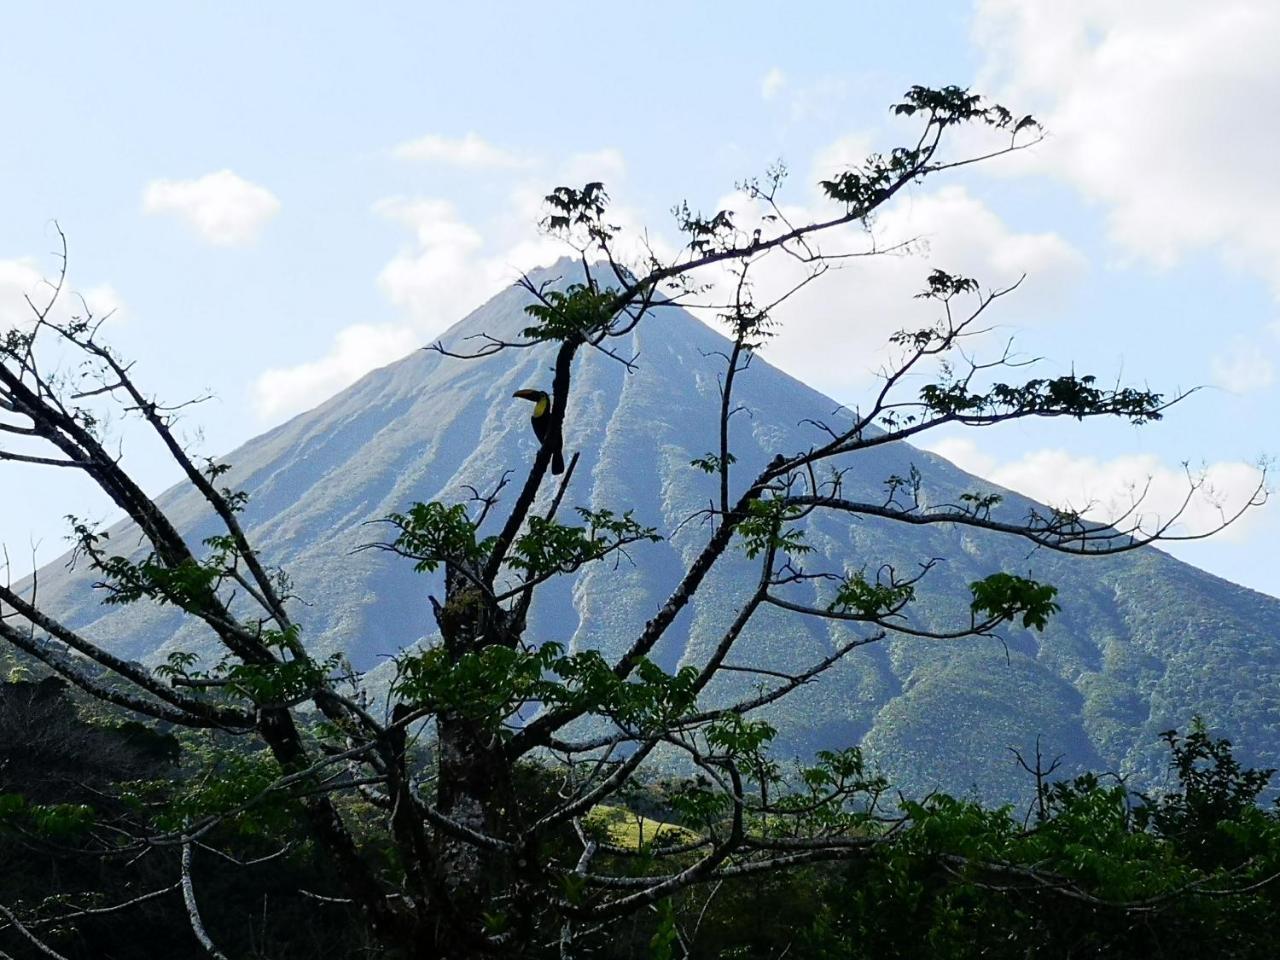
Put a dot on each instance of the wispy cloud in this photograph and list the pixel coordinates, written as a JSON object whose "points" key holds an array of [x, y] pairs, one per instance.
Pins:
{"points": [[772, 83], [469, 152], [283, 391], [1242, 368], [1105, 489]]}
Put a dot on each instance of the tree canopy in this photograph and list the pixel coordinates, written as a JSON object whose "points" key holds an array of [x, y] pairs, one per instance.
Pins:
{"points": [[464, 819]]}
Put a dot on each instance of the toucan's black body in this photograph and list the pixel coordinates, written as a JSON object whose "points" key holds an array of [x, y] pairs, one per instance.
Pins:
{"points": [[541, 422]]}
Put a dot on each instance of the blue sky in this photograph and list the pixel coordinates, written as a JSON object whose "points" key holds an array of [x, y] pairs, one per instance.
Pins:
{"points": [[280, 197]]}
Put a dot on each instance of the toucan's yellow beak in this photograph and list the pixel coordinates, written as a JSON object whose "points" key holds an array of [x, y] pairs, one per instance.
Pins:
{"points": [[526, 394]]}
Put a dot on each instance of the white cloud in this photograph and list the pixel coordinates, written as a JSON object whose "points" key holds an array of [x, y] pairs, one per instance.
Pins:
{"points": [[1242, 368], [224, 208], [772, 83], [806, 100], [445, 272], [834, 334], [18, 279], [469, 152], [439, 277], [606, 166], [852, 312], [447, 268], [452, 267], [840, 155], [963, 453], [356, 350], [23, 278], [1153, 110], [1107, 488], [435, 280]]}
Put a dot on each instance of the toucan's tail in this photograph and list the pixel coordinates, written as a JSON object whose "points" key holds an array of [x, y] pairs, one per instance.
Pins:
{"points": [[557, 462]]}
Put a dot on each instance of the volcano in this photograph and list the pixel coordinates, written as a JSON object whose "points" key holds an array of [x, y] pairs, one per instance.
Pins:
{"points": [[1143, 641]]}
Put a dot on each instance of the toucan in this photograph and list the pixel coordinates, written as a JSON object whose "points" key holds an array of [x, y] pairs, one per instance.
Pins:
{"points": [[541, 421]]}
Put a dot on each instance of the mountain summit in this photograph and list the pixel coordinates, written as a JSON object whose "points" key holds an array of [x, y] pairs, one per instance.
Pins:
{"points": [[1142, 644]]}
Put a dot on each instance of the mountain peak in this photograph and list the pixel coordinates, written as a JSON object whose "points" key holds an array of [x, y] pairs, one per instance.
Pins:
{"points": [[502, 316]]}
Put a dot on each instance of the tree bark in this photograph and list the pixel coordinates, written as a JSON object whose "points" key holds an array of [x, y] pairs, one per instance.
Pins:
{"points": [[474, 785]]}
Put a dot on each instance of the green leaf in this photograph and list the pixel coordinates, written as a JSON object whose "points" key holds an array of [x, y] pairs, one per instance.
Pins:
{"points": [[1005, 597]]}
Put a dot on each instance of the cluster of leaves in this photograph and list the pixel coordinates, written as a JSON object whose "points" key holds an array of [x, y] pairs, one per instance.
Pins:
{"points": [[951, 105], [835, 795], [705, 233], [178, 664], [486, 684], [50, 820], [910, 484], [942, 335], [1067, 395], [547, 546], [492, 683], [283, 682], [765, 527], [434, 533], [189, 584], [980, 504], [650, 700], [699, 803], [751, 326], [941, 285], [1098, 875], [235, 499], [228, 783], [711, 463], [859, 596], [741, 738], [1217, 794], [575, 211], [863, 187], [840, 795], [1006, 596], [574, 313]]}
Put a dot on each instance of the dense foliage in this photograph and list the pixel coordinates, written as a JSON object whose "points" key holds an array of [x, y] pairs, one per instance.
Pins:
{"points": [[1089, 870]]}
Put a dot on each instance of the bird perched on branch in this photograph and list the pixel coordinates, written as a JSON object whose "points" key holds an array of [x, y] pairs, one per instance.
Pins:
{"points": [[541, 422]]}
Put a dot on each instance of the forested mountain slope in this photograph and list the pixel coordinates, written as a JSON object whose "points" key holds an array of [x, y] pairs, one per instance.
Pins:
{"points": [[1142, 643]]}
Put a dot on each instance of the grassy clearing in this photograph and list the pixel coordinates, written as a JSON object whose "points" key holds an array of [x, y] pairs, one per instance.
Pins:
{"points": [[627, 829]]}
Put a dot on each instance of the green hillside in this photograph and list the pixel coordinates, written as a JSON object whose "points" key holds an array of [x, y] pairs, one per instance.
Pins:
{"points": [[1143, 641]]}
